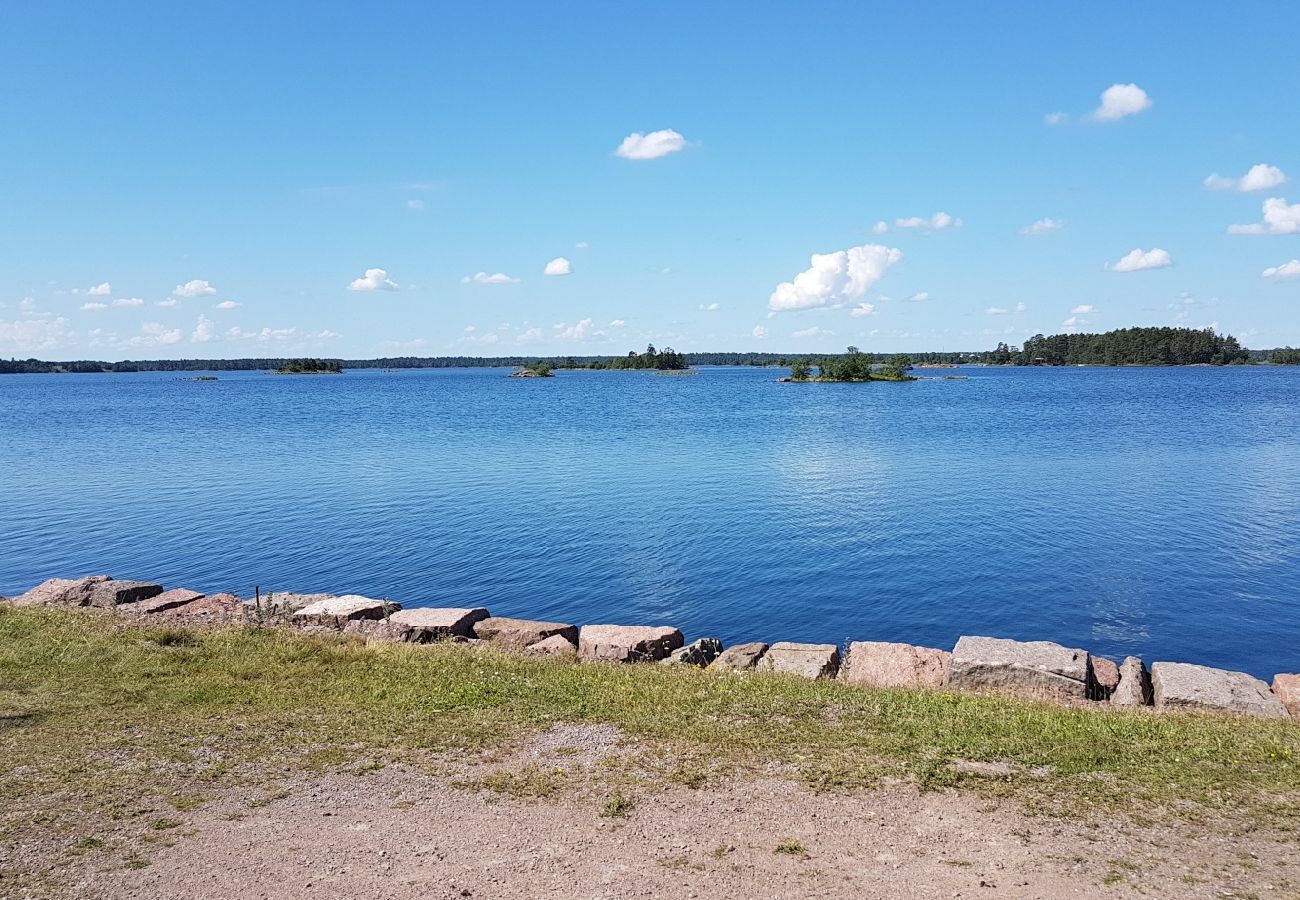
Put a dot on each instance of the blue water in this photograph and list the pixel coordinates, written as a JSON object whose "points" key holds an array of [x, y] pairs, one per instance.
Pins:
{"points": [[1146, 511]]}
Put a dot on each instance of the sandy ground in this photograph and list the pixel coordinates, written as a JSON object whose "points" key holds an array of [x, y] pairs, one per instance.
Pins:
{"points": [[397, 833]]}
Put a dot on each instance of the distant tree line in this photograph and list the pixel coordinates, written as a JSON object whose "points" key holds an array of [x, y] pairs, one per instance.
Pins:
{"points": [[310, 366], [1125, 347]]}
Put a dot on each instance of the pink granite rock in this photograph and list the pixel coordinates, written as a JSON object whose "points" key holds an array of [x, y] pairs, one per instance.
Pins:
{"points": [[555, 645], [385, 630], [61, 592], [806, 660], [627, 643], [172, 599], [885, 664], [429, 624], [1105, 678], [336, 612], [1287, 689], [516, 634]]}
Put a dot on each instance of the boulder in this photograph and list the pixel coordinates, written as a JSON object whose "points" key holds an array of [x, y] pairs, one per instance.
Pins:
{"points": [[555, 645], [1035, 668], [385, 630], [627, 643], [282, 605], [214, 608], [1186, 686], [172, 599], [516, 634], [1287, 689], [1134, 688], [807, 660], [884, 664], [698, 653], [113, 593], [1105, 678], [740, 657], [429, 624], [335, 612], [61, 592]]}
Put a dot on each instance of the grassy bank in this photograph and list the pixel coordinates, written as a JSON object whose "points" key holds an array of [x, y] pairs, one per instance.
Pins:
{"points": [[96, 713]]}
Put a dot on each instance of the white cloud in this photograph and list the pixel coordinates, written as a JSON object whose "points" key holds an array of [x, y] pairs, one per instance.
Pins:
{"points": [[227, 304], [374, 280], [471, 336], [863, 309], [194, 288], [415, 205], [919, 297], [996, 311], [94, 307], [34, 335], [937, 222], [1043, 226], [1280, 217], [558, 266], [128, 302], [278, 335], [1137, 260], [582, 245], [814, 331], [100, 290], [1020, 307], [531, 336], [842, 275], [880, 227], [759, 332], [1056, 118], [202, 330], [617, 323], [1084, 309], [1120, 100], [1074, 323], [712, 307], [153, 334], [1261, 177], [579, 332], [1284, 272], [169, 303], [485, 278], [650, 146]]}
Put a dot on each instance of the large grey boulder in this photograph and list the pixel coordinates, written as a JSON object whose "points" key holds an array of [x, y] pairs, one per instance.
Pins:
{"points": [[516, 634], [1035, 668], [885, 664], [740, 657], [167, 600], [1187, 686], [696, 653], [806, 660], [432, 624], [627, 643], [380, 630], [1134, 688], [282, 605], [116, 592], [335, 612], [95, 590]]}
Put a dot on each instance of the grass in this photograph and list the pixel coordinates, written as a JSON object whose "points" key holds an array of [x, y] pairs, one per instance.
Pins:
{"points": [[617, 806], [791, 848], [93, 707]]}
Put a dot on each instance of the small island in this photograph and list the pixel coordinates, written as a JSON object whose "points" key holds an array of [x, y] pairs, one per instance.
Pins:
{"points": [[533, 370], [308, 366], [854, 367]]}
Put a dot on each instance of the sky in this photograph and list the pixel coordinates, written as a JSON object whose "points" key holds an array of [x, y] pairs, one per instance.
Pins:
{"points": [[221, 180]]}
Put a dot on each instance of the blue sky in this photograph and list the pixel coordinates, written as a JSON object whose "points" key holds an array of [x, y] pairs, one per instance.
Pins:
{"points": [[218, 180]]}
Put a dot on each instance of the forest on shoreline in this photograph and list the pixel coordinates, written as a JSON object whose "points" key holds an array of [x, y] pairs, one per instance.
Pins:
{"points": [[1122, 347]]}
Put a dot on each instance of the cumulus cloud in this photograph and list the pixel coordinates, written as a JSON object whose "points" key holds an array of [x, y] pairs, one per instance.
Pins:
{"points": [[582, 245], [842, 275], [650, 146], [128, 302], [712, 307], [227, 304], [1056, 118], [1043, 226], [919, 297], [1074, 323], [1120, 100], [265, 335], [937, 222], [863, 309], [578, 332], [34, 335], [203, 330], [169, 303], [153, 334], [531, 336], [1280, 217], [100, 290], [880, 227], [558, 266], [1261, 177], [194, 288], [759, 332], [485, 278], [813, 331], [94, 307], [471, 336], [1084, 309], [1020, 307], [1138, 259], [1284, 272], [374, 280]]}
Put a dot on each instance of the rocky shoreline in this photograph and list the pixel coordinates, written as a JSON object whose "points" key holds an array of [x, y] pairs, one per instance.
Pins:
{"points": [[1036, 669]]}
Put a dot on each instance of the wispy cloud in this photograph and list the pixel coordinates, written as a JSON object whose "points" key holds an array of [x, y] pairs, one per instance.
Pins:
{"points": [[1139, 259], [485, 278], [1043, 226], [194, 288]]}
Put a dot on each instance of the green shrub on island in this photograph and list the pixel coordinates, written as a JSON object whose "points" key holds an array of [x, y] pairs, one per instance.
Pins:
{"points": [[853, 367], [667, 359], [309, 366]]}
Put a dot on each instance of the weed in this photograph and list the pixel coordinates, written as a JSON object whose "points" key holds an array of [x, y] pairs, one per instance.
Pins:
{"points": [[617, 806]]}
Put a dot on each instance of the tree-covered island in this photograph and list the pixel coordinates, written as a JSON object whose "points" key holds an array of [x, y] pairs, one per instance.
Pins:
{"points": [[309, 366], [853, 367]]}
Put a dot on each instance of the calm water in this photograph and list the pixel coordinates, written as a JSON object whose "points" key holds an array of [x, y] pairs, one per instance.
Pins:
{"points": [[1142, 511]]}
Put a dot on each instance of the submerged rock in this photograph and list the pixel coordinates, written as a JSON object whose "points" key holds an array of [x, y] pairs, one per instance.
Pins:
{"points": [[1035, 668], [1187, 686], [740, 657], [431, 624], [885, 664], [807, 660], [516, 634], [1134, 688], [698, 653], [627, 643]]}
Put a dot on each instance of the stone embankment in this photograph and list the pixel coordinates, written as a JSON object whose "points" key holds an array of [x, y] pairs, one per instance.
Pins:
{"points": [[1023, 668]]}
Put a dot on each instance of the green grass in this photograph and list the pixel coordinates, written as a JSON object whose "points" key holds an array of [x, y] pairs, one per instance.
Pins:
{"points": [[92, 706]]}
